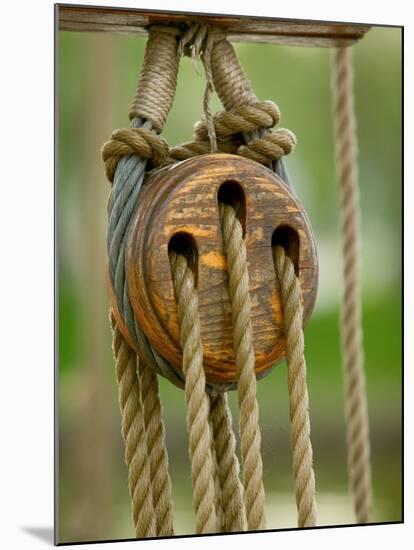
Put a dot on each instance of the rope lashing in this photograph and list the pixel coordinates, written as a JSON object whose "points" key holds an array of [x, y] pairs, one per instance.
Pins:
{"points": [[158, 79], [298, 392], [357, 423]]}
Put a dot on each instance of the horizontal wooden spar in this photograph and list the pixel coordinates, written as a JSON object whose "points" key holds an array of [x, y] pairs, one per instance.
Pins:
{"points": [[239, 28]]}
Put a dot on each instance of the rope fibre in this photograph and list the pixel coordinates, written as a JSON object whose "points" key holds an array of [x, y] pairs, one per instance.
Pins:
{"points": [[356, 410], [149, 145]]}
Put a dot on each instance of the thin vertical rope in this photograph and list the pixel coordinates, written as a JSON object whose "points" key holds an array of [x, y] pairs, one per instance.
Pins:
{"points": [[133, 431], [218, 493], [356, 410], [157, 450], [234, 515], [198, 426], [298, 391], [250, 438]]}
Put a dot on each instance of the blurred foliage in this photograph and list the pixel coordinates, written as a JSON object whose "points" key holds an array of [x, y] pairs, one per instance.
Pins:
{"points": [[96, 78]]}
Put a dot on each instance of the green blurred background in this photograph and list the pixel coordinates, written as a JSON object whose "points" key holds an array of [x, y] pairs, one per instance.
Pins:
{"points": [[96, 77]]}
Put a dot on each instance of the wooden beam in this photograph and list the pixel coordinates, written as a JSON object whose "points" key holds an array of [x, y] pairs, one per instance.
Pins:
{"points": [[239, 28]]}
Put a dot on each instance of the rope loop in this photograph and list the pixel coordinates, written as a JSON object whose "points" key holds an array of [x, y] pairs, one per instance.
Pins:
{"points": [[133, 141]]}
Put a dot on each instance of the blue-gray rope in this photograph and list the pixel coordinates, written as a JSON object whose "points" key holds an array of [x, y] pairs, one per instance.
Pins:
{"points": [[127, 184]]}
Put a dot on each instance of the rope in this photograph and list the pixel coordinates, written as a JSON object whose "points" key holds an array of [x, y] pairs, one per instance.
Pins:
{"points": [[158, 79], [243, 118], [234, 90], [351, 328], [234, 515], [250, 438], [194, 148], [230, 81], [218, 497], [298, 393], [157, 451], [200, 40], [133, 141], [125, 158], [268, 148], [133, 432], [198, 426], [209, 92]]}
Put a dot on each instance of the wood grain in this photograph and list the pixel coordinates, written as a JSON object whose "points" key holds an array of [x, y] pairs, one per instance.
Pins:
{"points": [[239, 28], [183, 200]]}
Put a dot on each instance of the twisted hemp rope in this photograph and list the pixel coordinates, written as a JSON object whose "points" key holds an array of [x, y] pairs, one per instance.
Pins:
{"points": [[235, 250], [298, 392], [198, 425], [133, 430], [356, 410], [234, 515]]}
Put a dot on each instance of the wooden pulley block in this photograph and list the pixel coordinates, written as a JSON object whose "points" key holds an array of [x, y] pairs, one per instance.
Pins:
{"points": [[179, 209]]}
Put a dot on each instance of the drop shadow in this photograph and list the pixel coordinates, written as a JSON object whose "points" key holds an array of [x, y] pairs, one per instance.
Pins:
{"points": [[44, 534]]}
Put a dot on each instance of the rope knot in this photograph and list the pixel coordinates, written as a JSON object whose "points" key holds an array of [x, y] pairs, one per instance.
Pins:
{"points": [[244, 118], [270, 147], [133, 141]]}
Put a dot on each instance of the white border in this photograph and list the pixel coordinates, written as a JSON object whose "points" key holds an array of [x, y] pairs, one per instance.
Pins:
{"points": [[26, 229]]}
